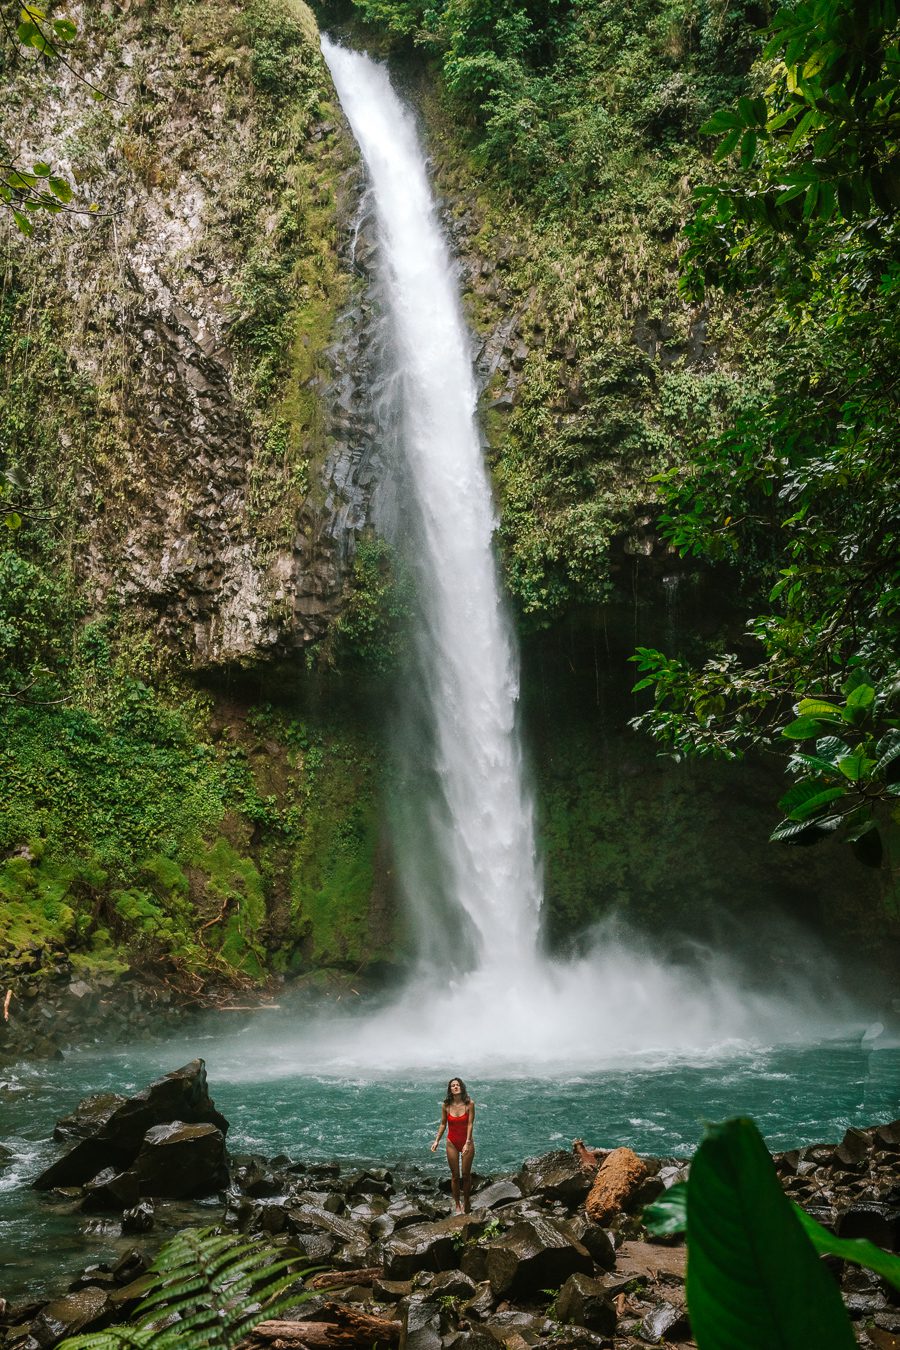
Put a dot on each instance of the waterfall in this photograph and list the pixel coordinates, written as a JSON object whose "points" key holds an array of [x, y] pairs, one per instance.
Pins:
{"points": [[478, 828], [484, 997]]}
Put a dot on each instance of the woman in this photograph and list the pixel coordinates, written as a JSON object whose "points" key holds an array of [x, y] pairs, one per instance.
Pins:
{"points": [[458, 1119]]}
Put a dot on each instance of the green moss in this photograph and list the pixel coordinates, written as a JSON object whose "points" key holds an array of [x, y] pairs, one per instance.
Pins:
{"points": [[234, 895]]}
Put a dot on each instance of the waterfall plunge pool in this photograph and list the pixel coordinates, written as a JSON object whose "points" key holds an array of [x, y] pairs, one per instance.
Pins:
{"points": [[654, 1100]]}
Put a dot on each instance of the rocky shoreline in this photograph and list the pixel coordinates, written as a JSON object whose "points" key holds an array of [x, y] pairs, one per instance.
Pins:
{"points": [[554, 1256]]}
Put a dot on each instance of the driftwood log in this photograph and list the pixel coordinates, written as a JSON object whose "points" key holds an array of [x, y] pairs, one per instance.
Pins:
{"points": [[351, 1330], [589, 1158], [339, 1279]]}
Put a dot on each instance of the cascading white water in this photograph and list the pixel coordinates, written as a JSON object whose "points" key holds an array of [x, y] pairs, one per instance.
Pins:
{"points": [[471, 871], [483, 823]]}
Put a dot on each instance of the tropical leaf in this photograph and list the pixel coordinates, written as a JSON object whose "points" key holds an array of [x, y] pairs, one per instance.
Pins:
{"points": [[754, 1280], [208, 1291], [667, 1216], [858, 1250]]}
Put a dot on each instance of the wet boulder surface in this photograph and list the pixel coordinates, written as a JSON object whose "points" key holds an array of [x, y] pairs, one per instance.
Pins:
{"points": [[114, 1138], [528, 1267]]}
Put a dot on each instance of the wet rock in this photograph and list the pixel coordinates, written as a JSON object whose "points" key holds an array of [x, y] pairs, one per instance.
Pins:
{"points": [[555, 1176], [421, 1327], [405, 1212], [110, 1190], [585, 1300], [452, 1284], [139, 1218], [89, 1116], [427, 1246], [318, 1248], [498, 1193], [594, 1238], [853, 1151], [179, 1160], [576, 1338], [473, 1338], [179, 1096], [69, 1315], [618, 1179], [481, 1304], [664, 1322], [535, 1254], [313, 1219], [391, 1291]]}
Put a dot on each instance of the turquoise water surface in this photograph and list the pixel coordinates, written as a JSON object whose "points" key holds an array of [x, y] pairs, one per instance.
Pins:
{"points": [[657, 1102]]}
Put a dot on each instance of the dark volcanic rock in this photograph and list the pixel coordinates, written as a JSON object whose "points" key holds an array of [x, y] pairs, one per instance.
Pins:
{"points": [[69, 1315], [89, 1116], [179, 1096], [555, 1176], [585, 1301], [594, 1238], [664, 1322], [179, 1160], [498, 1193], [110, 1190], [535, 1254], [421, 1324], [427, 1246]]}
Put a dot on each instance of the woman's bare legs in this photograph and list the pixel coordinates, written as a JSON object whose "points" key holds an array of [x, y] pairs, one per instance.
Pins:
{"points": [[468, 1154], [453, 1160]]}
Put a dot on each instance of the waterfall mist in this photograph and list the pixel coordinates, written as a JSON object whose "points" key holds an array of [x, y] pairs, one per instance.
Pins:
{"points": [[464, 834]]}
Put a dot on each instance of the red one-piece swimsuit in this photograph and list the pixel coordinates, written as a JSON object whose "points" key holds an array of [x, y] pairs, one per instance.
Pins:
{"points": [[457, 1130]]}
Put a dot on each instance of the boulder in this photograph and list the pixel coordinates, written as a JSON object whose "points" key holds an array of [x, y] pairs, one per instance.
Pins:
{"points": [[535, 1254], [595, 1238], [179, 1096], [138, 1219], [110, 1190], [427, 1246], [585, 1301], [421, 1329], [665, 1322], [555, 1176], [68, 1315], [180, 1160], [498, 1193], [618, 1179], [314, 1219], [89, 1116]]}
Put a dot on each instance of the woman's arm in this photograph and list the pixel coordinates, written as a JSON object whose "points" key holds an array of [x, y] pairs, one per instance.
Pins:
{"points": [[471, 1115], [437, 1138]]}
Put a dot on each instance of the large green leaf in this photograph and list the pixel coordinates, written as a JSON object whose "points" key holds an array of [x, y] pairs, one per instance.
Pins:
{"points": [[667, 1216], [754, 1281], [858, 1250]]}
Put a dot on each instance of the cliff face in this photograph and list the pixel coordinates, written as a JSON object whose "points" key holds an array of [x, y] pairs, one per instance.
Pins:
{"points": [[192, 463]]}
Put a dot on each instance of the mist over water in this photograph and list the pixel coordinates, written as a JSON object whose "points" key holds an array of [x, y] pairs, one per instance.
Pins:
{"points": [[484, 997]]}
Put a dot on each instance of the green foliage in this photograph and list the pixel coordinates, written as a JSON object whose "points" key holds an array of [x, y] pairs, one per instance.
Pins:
{"points": [[27, 192], [369, 633], [754, 1280], [667, 1216], [207, 1290], [799, 495]]}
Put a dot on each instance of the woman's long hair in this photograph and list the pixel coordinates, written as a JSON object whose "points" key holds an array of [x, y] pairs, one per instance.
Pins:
{"points": [[448, 1100]]}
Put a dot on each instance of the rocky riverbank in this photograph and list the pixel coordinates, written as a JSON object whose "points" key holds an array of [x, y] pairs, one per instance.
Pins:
{"points": [[552, 1255]]}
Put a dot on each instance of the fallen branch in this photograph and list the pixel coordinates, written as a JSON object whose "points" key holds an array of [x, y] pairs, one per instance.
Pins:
{"points": [[353, 1331], [6, 1003], [339, 1279]]}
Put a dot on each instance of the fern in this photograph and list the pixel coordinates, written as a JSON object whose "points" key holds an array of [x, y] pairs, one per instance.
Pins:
{"points": [[208, 1290]]}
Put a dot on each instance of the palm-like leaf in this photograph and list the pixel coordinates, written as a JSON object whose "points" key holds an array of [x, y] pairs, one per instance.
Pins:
{"points": [[209, 1290]]}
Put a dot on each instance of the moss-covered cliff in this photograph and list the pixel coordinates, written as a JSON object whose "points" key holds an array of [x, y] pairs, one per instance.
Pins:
{"points": [[169, 359]]}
